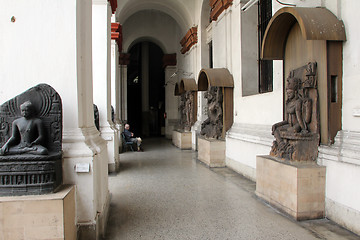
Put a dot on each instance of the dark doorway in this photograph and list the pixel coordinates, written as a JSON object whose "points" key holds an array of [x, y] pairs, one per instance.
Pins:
{"points": [[146, 85]]}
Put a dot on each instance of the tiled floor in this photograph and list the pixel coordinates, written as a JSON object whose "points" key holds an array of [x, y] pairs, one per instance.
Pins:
{"points": [[166, 193]]}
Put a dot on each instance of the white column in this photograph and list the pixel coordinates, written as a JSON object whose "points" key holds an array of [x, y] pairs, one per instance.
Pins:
{"points": [[171, 101], [115, 88], [201, 117], [101, 36], [63, 60]]}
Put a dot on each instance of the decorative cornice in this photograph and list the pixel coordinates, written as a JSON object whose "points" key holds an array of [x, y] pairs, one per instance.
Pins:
{"points": [[169, 60], [253, 133], [217, 7], [189, 40], [116, 34], [346, 149]]}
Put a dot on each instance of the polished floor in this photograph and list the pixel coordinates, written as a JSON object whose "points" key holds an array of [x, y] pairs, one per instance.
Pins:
{"points": [[166, 193]]}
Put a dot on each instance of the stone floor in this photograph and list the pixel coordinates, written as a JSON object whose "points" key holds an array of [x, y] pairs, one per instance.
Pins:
{"points": [[166, 193]]}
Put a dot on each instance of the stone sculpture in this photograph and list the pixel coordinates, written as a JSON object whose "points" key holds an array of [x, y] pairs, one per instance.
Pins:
{"points": [[297, 136], [27, 134], [96, 117], [186, 109], [212, 127], [31, 142]]}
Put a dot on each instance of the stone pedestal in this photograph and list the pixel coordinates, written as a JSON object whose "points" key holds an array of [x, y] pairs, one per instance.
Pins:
{"points": [[296, 189], [211, 152], [182, 139], [50, 216]]}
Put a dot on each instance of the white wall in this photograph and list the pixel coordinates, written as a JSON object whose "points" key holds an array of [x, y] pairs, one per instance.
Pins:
{"points": [[33, 50], [154, 26], [351, 66], [342, 159], [50, 42]]}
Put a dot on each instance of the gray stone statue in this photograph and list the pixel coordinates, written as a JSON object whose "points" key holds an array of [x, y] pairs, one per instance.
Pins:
{"points": [[212, 127], [31, 142], [96, 117], [186, 110], [27, 134]]}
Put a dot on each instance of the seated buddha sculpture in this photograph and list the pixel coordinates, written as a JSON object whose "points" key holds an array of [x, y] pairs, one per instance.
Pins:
{"points": [[27, 134]]}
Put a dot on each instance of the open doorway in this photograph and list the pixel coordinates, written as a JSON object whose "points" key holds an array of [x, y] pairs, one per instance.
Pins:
{"points": [[146, 92]]}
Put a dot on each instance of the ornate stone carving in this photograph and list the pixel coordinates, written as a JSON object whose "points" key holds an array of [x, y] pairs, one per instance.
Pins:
{"points": [[297, 137], [186, 110], [31, 142], [212, 127]]}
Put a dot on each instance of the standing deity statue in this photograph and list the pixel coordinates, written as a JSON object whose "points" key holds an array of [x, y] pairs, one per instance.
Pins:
{"points": [[213, 125]]}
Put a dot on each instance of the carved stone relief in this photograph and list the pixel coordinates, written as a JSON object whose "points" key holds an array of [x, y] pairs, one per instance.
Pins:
{"points": [[212, 127], [31, 142], [186, 109], [297, 136]]}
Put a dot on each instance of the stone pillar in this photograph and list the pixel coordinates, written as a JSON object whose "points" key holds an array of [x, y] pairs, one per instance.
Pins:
{"points": [[171, 101], [102, 78], [64, 61], [123, 93], [115, 88], [145, 88]]}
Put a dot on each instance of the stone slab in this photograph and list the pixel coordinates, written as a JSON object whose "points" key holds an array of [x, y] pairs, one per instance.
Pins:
{"points": [[296, 189], [50, 216], [182, 140], [212, 152]]}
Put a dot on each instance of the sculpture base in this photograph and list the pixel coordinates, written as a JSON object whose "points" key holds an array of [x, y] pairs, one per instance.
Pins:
{"points": [[30, 174], [296, 189], [181, 139], [211, 152], [49, 216]]}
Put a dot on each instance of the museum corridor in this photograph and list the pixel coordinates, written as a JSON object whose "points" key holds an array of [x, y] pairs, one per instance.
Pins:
{"points": [[165, 193]]}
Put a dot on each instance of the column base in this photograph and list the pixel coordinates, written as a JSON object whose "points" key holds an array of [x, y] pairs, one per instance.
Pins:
{"points": [[111, 136], [296, 189], [50, 216], [211, 152], [181, 139]]}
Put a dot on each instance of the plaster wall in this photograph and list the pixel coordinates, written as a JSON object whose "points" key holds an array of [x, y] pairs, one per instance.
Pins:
{"points": [[181, 10], [54, 47], [260, 110], [298, 3], [154, 26], [171, 101], [40, 47], [351, 66], [342, 158], [244, 141]]}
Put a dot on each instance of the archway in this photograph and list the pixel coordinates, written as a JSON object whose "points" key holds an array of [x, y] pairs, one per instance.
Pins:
{"points": [[146, 93]]}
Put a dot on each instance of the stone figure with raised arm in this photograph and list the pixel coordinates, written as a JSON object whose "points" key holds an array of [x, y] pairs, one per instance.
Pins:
{"points": [[297, 117], [27, 134]]}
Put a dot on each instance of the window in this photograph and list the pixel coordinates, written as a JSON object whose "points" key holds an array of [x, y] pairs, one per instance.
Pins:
{"points": [[265, 66]]}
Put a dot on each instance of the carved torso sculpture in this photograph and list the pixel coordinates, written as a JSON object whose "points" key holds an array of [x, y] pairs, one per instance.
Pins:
{"points": [[31, 142], [213, 125], [296, 138]]}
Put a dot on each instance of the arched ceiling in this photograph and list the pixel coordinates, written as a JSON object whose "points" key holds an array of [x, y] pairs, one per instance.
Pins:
{"points": [[174, 8]]}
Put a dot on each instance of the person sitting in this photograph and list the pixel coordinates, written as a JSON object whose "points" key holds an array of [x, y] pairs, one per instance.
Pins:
{"points": [[129, 137], [27, 134]]}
